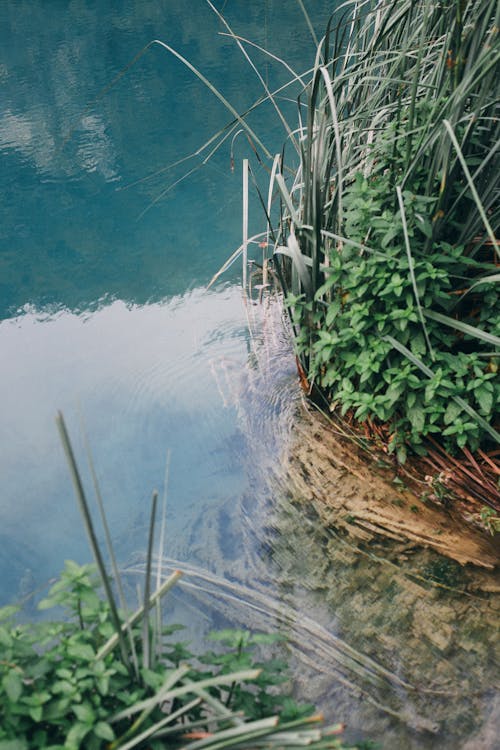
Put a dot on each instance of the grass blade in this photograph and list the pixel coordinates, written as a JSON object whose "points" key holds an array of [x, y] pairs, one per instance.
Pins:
{"points": [[476, 333], [155, 728], [146, 640], [190, 687], [412, 272], [136, 616], [472, 187], [94, 544]]}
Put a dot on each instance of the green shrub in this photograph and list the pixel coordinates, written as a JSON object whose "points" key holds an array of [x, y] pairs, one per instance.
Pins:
{"points": [[61, 689], [386, 245]]}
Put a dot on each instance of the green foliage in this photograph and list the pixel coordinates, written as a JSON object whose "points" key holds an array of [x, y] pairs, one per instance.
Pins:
{"points": [[261, 698], [56, 693], [393, 289], [99, 677], [368, 296], [489, 518]]}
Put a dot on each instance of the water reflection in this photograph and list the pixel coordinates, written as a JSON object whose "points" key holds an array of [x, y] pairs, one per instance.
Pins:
{"points": [[69, 143], [146, 379]]}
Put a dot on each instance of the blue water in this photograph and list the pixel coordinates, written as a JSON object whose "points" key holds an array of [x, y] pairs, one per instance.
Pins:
{"points": [[105, 253], [105, 250]]}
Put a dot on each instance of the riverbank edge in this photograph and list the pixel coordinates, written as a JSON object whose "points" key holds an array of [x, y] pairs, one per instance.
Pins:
{"points": [[368, 498]]}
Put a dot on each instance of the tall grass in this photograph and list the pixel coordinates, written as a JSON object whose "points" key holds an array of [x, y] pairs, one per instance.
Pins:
{"points": [[386, 242], [387, 237], [109, 679]]}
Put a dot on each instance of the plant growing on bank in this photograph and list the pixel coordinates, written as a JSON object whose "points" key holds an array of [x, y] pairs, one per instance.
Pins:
{"points": [[62, 687], [101, 677], [387, 241]]}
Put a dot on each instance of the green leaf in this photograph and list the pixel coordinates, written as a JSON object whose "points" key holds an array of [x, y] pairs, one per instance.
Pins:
{"points": [[104, 731], [417, 418], [7, 612], [394, 392], [56, 709], [75, 735], [5, 638], [81, 651], [103, 685], [64, 687], [152, 679], [48, 603], [417, 344], [84, 712], [36, 713], [452, 411], [484, 398], [332, 312], [13, 685]]}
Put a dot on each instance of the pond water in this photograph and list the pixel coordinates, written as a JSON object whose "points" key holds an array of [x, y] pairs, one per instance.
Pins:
{"points": [[105, 253], [106, 250]]}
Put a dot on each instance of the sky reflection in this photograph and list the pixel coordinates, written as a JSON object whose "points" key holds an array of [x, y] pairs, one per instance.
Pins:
{"points": [[145, 379]]}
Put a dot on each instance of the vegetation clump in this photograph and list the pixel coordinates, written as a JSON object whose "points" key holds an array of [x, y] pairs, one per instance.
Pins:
{"points": [[387, 238], [62, 687], [99, 677]]}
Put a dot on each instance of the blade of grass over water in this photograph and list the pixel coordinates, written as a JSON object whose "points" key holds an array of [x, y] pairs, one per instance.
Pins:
{"points": [[161, 547], [139, 613], [217, 93], [245, 54], [146, 644], [245, 222], [94, 545], [110, 549]]}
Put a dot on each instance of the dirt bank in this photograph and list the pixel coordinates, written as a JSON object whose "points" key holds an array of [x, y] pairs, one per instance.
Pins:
{"points": [[366, 499]]}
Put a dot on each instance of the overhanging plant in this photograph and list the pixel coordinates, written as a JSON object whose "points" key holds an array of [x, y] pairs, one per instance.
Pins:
{"points": [[101, 677]]}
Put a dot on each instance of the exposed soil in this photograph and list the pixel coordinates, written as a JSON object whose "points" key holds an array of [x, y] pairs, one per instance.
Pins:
{"points": [[369, 498]]}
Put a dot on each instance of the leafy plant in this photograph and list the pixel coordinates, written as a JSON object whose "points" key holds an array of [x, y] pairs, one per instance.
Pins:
{"points": [[99, 677], [387, 243], [60, 687]]}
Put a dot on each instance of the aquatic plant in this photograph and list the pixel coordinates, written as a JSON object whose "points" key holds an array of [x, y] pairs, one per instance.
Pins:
{"points": [[387, 235], [385, 242], [102, 677], [62, 686]]}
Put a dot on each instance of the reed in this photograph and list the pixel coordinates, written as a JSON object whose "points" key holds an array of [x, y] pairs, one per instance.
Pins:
{"points": [[101, 678], [387, 235]]}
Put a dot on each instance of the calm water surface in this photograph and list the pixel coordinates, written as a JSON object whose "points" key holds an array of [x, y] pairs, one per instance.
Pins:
{"points": [[106, 248]]}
